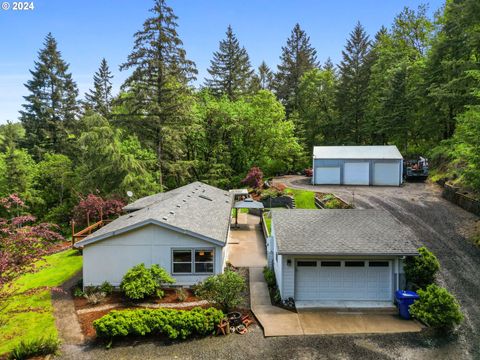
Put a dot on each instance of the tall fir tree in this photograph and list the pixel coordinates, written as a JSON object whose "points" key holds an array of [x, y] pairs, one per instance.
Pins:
{"points": [[262, 79], [230, 69], [354, 73], [51, 107], [159, 85], [99, 99], [298, 56]]}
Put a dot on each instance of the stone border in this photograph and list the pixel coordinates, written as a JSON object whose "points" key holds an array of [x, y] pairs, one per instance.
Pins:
{"points": [[144, 305]]}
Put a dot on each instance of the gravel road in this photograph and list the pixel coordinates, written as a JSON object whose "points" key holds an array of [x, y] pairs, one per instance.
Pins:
{"points": [[440, 225]]}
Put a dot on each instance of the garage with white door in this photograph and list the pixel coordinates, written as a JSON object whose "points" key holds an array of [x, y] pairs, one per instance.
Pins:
{"points": [[343, 280], [339, 258], [357, 165]]}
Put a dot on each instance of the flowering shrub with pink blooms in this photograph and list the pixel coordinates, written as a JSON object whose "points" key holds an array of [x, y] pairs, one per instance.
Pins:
{"points": [[253, 178], [22, 242]]}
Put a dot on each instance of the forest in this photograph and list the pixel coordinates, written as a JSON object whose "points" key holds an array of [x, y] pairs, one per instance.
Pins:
{"points": [[415, 84]]}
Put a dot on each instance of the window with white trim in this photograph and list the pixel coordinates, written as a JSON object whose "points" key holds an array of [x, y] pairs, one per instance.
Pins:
{"points": [[193, 261]]}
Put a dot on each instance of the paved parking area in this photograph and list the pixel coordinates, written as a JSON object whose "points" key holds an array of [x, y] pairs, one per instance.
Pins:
{"points": [[330, 322]]}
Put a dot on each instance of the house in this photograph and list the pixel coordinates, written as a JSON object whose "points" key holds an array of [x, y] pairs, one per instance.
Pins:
{"points": [[336, 258], [357, 165], [184, 230]]}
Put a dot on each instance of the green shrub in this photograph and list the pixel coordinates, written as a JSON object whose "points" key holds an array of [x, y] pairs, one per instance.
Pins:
{"points": [[269, 275], [140, 282], [170, 322], [106, 288], [224, 289], [420, 270], [437, 308], [36, 347], [78, 292]]}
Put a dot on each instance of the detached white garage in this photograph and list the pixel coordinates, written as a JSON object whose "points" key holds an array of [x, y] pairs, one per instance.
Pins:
{"points": [[339, 258], [357, 165]]}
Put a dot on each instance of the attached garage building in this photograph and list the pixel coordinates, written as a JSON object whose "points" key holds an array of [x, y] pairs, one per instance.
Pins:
{"points": [[357, 165], [339, 258]]}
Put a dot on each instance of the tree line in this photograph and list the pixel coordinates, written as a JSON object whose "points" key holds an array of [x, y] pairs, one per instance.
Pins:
{"points": [[414, 84]]}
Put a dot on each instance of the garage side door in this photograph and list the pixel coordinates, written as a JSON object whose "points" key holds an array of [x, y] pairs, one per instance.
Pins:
{"points": [[327, 175], [386, 174], [317, 280], [356, 173]]}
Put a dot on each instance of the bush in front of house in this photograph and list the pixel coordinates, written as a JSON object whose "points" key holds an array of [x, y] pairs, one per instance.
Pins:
{"points": [[106, 288], [437, 308], [226, 290], [169, 322], [269, 276], [421, 270], [37, 347], [140, 282]]}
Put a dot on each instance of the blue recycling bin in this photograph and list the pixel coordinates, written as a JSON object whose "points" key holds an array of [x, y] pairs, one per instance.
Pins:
{"points": [[404, 299]]}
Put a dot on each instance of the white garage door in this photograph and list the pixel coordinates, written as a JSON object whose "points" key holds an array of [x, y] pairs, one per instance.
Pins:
{"points": [[386, 174], [317, 280], [327, 175], [356, 173]]}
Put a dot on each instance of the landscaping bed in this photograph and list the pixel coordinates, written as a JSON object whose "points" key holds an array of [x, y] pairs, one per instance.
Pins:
{"points": [[330, 201]]}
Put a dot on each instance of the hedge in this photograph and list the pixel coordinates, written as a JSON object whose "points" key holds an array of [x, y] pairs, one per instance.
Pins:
{"points": [[170, 322]]}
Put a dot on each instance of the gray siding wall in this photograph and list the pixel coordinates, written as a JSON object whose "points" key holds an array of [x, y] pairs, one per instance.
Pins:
{"points": [[341, 163], [110, 259]]}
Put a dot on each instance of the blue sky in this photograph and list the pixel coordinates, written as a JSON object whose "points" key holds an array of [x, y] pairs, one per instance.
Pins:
{"points": [[88, 30]]}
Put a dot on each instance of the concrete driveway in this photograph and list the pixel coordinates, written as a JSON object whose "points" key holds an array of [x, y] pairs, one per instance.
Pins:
{"points": [[329, 322], [246, 244]]}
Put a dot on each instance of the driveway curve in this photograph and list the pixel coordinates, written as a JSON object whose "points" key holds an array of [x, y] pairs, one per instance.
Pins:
{"points": [[439, 225]]}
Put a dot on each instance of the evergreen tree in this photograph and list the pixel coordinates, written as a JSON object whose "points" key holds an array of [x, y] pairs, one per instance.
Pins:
{"points": [[262, 80], [99, 98], [354, 72], [230, 68], [298, 56], [455, 51], [51, 107], [158, 91]]}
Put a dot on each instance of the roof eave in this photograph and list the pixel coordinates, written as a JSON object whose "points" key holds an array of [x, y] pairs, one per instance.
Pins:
{"points": [[289, 253], [105, 236]]}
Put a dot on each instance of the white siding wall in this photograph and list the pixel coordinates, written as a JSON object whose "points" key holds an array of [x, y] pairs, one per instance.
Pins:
{"points": [[288, 277], [109, 260]]}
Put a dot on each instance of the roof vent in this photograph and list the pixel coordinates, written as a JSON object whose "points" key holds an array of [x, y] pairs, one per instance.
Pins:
{"points": [[172, 212], [178, 205], [205, 197], [189, 195], [165, 218], [184, 200]]}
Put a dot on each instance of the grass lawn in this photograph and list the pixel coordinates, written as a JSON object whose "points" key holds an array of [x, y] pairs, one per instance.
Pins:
{"points": [[268, 223], [30, 315], [304, 199]]}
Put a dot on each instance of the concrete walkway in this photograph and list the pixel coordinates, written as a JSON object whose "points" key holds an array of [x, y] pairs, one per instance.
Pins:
{"points": [[246, 245], [66, 319], [274, 320]]}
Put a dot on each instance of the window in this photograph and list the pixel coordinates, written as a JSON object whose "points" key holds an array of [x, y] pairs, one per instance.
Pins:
{"points": [[331, 263], [354, 263], [182, 261], [378, 263], [193, 261], [204, 261], [307, 263]]}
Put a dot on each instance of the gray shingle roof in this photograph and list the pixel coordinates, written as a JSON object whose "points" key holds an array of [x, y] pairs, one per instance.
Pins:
{"points": [[341, 232], [357, 152], [197, 209]]}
